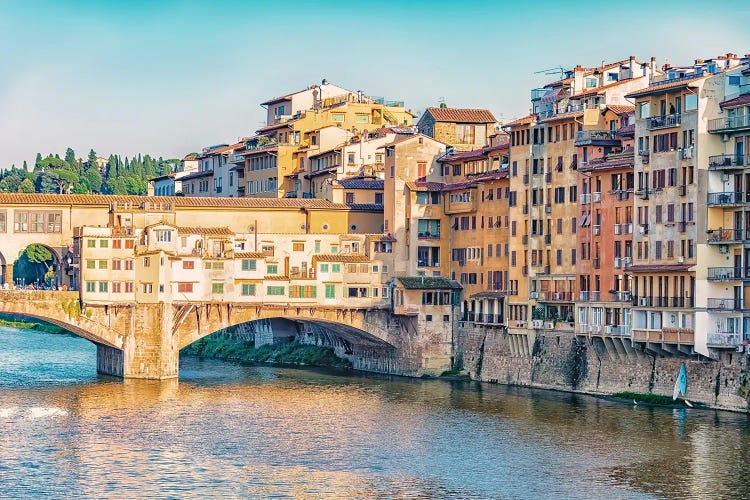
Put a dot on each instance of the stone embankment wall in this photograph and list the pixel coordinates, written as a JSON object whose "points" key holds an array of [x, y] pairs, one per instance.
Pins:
{"points": [[560, 361]]}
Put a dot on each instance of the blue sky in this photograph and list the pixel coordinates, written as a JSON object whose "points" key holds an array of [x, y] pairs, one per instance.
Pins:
{"points": [[169, 77]]}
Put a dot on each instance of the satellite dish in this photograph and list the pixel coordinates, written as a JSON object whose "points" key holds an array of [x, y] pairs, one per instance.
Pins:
{"points": [[251, 228]]}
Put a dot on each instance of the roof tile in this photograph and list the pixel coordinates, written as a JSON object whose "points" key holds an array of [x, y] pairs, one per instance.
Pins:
{"points": [[462, 115]]}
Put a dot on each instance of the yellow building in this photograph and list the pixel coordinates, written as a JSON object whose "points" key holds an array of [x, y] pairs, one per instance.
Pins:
{"points": [[464, 129], [268, 162]]}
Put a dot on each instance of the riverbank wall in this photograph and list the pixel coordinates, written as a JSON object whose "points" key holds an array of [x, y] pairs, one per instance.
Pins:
{"points": [[563, 362]]}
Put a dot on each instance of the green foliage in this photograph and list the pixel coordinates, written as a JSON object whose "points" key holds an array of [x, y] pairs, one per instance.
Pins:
{"points": [[34, 264], [72, 308], [646, 398], [51, 174], [218, 346], [37, 253]]}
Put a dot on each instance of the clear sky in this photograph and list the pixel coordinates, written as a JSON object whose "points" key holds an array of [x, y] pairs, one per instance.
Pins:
{"points": [[168, 77]]}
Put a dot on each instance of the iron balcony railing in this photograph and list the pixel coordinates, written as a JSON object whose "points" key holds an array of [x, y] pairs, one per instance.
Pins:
{"points": [[726, 235], [664, 121], [724, 339], [725, 198], [725, 162], [723, 304], [724, 273], [592, 136], [625, 296], [736, 122]]}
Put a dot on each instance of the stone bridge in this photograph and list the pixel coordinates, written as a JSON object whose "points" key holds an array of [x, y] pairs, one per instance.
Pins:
{"points": [[144, 340]]}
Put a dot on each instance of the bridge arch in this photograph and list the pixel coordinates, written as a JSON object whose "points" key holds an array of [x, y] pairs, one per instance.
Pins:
{"points": [[37, 281]]}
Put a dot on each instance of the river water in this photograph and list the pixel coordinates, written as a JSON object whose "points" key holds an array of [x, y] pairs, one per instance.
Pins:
{"points": [[256, 431]]}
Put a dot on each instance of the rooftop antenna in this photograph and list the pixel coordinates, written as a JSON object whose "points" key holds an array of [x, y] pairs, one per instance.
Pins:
{"points": [[441, 101], [557, 70]]}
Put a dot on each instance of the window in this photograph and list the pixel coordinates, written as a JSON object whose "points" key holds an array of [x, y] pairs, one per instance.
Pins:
{"points": [[298, 247], [217, 287], [324, 268], [103, 264], [275, 290], [128, 287], [54, 222], [116, 264], [21, 222], [691, 102], [334, 249], [188, 264], [129, 264], [116, 243], [91, 286], [384, 269], [103, 243], [335, 268], [129, 243], [337, 117], [184, 287], [272, 269], [330, 291], [103, 286], [147, 262], [378, 198], [248, 289], [317, 246], [644, 109], [248, 264], [349, 198], [116, 287], [163, 236], [3, 223], [37, 222], [90, 264]]}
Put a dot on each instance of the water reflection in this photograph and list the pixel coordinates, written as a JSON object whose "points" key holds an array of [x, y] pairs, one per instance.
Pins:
{"points": [[234, 430]]}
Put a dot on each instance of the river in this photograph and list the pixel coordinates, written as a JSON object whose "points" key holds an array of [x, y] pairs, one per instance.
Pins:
{"points": [[257, 431]]}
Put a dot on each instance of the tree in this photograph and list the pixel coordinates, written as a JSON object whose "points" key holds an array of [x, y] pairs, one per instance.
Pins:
{"points": [[25, 166], [26, 186]]}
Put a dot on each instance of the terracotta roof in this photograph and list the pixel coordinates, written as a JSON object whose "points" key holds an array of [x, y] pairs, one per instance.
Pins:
{"points": [[489, 295], [175, 201], [627, 130], [400, 138], [221, 150], [160, 177], [490, 176], [659, 268], [562, 116], [425, 186], [737, 101], [360, 183], [275, 126], [277, 99], [459, 185], [380, 237], [665, 86], [429, 283], [475, 153], [521, 121], [190, 157], [621, 109], [340, 257], [249, 255], [276, 277], [213, 231], [462, 115]]}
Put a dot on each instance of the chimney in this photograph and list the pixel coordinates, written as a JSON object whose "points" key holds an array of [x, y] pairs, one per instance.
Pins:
{"points": [[631, 72], [577, 79]]}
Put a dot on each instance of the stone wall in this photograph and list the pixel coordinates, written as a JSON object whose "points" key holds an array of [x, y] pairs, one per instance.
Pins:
{"points": [[560, 361]]}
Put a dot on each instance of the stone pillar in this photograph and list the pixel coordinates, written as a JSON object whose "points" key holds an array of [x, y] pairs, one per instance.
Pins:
{"points": [[150, 350], [8, 275], [109, 360]]}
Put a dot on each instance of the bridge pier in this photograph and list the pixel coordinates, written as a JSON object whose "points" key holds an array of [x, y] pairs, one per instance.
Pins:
{"points": [[151, 350]]}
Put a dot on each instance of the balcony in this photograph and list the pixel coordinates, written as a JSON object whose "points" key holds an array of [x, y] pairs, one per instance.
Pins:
{"points": [[725, 199], [724, 236], [726, 162], [429, 235], [625, 296], [428, 263], [556, 296], [724, 274], [596, 197], [626, 228], [597, 138], [664, 121], [729, 123], [584, 296], [668, 335], [724, 339], [585, 199], [723, 304]]}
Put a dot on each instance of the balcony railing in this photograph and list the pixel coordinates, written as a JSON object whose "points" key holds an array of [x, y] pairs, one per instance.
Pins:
{"points": [[724, 273], [585, 198], [725, 198], [625, 296], [584, 295], [429, 235], [736, 122], [668, 335], [664, 121], [724, 235], [722, 304], [626, 228], [603, 137], [725, 162], [724, 339], [596, 197]]}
